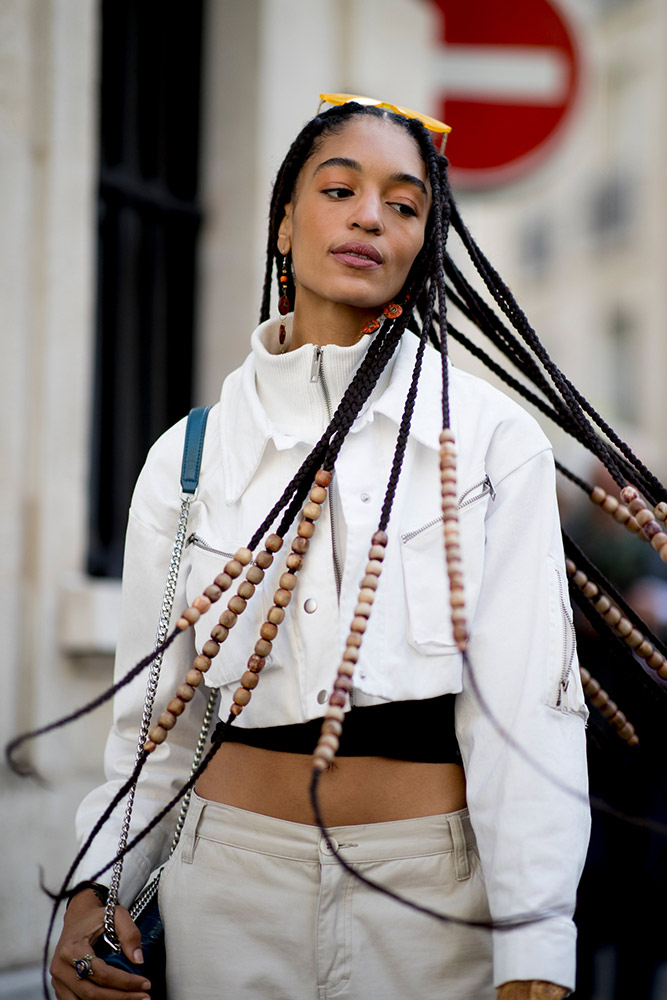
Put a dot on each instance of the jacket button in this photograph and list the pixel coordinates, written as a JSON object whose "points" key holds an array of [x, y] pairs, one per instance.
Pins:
{"points": [[310, 606], [322, 697], [365, 498]]}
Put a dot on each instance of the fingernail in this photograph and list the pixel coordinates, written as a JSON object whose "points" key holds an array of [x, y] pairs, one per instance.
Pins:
{"points": [[138, 957], [146, 985]]}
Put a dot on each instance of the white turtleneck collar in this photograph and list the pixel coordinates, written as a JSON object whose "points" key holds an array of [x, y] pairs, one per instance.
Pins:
{"points": [[294, 388]]}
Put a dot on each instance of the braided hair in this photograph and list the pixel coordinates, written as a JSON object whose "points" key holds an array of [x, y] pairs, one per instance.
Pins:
{"points": [[433, 281]]}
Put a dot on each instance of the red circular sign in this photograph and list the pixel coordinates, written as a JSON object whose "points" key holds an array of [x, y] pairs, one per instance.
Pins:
{"points": [[509, 75]]}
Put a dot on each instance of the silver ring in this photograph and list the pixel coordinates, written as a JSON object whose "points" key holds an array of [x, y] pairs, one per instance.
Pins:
{"points": [[83, 966]]}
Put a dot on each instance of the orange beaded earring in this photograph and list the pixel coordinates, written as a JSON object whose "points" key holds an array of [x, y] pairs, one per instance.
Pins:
{"points": [[284, 304], [392, 311]]}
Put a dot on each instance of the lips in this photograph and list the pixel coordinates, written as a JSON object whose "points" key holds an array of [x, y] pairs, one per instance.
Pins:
{"points": [[363, 255]]}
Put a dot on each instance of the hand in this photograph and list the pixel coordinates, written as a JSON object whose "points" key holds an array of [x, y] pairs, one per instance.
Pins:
{"points": [[531, 989], [84, 922]]}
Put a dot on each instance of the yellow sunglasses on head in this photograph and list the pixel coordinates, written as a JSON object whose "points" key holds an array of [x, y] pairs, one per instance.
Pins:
{"points": [[432, 124]]}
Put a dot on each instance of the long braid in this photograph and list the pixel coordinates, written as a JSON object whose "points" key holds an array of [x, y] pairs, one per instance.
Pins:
{"points": [[404, 429], [356, 395], [509, 306], [11, 748], [578, 405], [474, 308], [426, 284], [559, 416]]}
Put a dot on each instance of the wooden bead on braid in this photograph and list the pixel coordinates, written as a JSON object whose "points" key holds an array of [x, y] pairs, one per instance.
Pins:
{"points": [[310, 514], [450, 517], [622, 625], [650, 528], [332, 723], [223, 582], [167, 720], [619, 511], [598, 697], [660, 511]]}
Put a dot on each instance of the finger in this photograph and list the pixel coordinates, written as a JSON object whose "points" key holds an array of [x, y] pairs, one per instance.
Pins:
{"points": [[88, 989], [129, 936], [112, 978], [105, 983]]}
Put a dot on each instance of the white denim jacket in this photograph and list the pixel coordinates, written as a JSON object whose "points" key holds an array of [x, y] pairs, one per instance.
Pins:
{"points": [[527, 794]]}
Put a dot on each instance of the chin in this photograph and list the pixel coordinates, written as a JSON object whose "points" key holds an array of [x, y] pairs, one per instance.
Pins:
{"points": [[364, 301]]}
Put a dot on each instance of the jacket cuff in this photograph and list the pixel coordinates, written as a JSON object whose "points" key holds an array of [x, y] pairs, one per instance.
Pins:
{"points": [[544, 950], [136, 868]]}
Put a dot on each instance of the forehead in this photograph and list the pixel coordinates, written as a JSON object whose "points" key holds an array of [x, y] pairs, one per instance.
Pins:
{"points": [[377, 144]]}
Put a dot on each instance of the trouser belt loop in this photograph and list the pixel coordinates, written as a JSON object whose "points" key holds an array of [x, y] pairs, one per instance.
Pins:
{"points": [[189, 834], [461, 865]]}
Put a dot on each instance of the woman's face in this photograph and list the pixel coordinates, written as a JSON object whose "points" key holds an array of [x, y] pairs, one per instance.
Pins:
{"points": [[357, 219]]}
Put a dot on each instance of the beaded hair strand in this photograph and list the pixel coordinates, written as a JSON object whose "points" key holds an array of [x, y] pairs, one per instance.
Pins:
{"points": [[428, 269], [424, 289]]}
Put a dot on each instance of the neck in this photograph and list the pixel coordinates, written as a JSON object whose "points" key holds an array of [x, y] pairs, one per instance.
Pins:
{"points": [[328, 323]]}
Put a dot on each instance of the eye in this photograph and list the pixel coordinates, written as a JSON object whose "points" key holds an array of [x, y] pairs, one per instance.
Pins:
{"points": [[403, 209], [337, 192]]}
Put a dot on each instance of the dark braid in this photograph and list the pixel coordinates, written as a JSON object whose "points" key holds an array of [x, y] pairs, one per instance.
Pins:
{"points": [[584, 486], [424, 289], [25, 771], [574, 552], [475, 309], [406, 420], [356, 395], [629, 466], [558, 414], [509, 306]]}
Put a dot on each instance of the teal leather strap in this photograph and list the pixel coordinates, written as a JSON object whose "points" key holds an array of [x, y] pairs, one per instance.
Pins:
{"points": [[193, 448]]}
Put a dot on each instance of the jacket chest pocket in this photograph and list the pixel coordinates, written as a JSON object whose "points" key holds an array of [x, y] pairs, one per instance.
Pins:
{"points": [[428, 624], [206, 561]]}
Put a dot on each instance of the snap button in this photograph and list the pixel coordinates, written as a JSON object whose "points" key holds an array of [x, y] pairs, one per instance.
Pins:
{"points": [[322, 697], [365, 498], [310, 605], [324, 846]]}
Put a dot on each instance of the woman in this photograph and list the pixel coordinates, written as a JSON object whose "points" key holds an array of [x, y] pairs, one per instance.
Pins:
{"points": [[253, 902]]}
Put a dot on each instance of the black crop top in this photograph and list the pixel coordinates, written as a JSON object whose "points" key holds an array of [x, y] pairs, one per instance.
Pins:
{"points": [[421, 731]]}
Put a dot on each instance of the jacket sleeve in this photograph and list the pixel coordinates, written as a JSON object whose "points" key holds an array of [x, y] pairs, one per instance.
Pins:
{"points": [[147, 555], [520, 724]]}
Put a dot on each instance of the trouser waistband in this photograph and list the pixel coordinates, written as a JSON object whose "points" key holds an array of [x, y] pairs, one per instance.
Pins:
{"points": [[403, 838]]}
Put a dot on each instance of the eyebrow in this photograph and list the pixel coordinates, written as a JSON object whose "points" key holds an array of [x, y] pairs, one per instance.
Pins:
{"points": [[399, 178]]}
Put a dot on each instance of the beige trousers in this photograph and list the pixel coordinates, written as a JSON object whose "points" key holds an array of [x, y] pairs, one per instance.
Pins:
{"points": [[256, 908]]}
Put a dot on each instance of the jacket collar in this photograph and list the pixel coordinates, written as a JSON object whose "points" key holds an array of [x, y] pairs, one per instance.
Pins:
{"points": [[245, 424]]}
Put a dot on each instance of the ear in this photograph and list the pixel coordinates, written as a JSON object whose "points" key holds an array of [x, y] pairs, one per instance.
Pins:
{"points": [[285, 231]]}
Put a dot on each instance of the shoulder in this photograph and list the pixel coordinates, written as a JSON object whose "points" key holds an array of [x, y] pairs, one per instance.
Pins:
{"points": [[487, 418], [490, 405], [486, 422]]}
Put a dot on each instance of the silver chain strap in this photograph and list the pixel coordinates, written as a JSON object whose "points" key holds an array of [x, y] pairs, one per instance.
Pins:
{"points": [[151, 689], [151, 887]]}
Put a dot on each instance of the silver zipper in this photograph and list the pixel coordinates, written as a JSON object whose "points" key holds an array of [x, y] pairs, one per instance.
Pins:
{"points": [[197, 540], [317, 375], [484, 485], [568, 632]]}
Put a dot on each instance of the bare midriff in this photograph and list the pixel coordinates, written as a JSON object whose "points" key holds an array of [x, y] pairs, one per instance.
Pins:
{"points": [[354, 790]]}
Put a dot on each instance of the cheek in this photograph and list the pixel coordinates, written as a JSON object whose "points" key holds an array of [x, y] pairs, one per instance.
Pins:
{"points": [[411, 251]]}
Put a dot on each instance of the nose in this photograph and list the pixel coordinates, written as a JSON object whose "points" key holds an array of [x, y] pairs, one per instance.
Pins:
{"points": [[367, 214]]}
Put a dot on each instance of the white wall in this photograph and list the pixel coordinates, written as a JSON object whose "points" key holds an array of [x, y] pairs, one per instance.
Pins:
{"points": [[47, 166], [266, 62]]}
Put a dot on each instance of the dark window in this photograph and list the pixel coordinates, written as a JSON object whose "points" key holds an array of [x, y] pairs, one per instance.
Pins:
{"points": [[148, 223], [623, 340], [536, 247], [612, 208]]}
